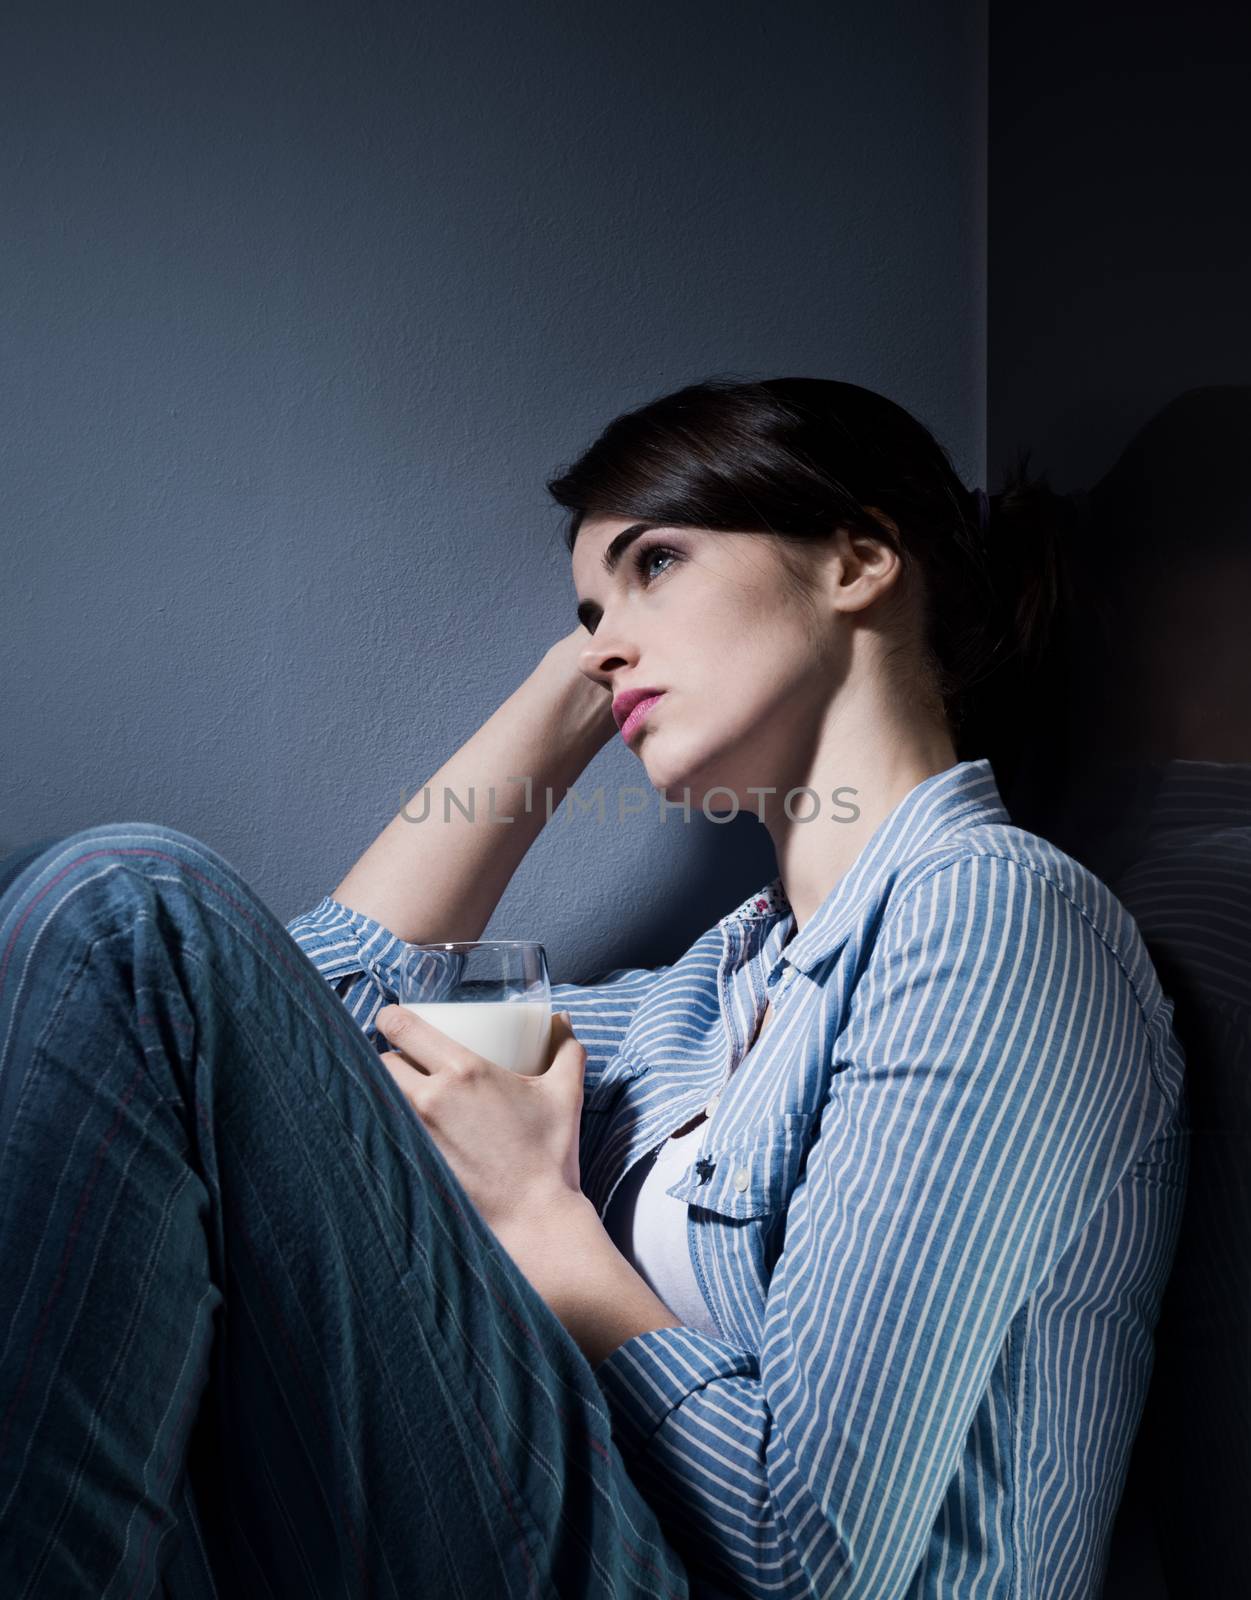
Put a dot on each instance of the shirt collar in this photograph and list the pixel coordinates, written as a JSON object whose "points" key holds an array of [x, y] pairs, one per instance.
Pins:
{"points": [[957, 798]]}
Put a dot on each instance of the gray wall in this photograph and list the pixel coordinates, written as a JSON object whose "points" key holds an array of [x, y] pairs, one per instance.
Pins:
{"points": [[303, 305]]}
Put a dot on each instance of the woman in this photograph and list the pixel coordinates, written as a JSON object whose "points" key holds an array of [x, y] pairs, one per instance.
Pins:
{"points": [[822, 1261]]}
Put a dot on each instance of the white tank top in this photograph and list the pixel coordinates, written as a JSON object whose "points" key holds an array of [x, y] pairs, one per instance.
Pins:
{"points": [[649, 1227]]}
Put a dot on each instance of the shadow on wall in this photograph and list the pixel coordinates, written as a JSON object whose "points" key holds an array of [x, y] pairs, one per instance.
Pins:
{"points": [[1135, 756]]}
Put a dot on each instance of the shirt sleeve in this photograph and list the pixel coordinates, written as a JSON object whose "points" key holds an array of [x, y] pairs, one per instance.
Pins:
{"points": [[361, 959], [602, 1010], [993, 1082], [357, 956]]}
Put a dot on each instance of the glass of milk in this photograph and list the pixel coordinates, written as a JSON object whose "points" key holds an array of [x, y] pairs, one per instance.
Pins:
{"points": [[491, 995]]}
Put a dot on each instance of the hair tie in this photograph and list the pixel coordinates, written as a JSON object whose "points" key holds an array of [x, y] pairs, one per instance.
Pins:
{"points": [[983, 509]]}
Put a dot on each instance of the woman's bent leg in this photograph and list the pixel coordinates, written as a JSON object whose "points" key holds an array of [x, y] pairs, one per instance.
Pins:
{"points": [[252, 1331]]}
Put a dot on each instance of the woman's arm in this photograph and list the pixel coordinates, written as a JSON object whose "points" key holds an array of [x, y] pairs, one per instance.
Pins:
{"points": [[435, 879], [431, 881]]}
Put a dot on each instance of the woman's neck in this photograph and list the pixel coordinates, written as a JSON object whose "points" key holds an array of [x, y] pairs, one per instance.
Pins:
{"points": [[859, 781]]}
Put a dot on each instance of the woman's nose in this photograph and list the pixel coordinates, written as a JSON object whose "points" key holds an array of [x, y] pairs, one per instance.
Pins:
{"points": [[603, 658]]}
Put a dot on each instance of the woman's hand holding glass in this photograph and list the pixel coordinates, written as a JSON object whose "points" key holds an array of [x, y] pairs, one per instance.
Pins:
{"points": [[510, 1138], [495, 1079]]}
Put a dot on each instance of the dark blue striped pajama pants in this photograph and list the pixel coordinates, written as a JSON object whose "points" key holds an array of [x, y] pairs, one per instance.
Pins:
{"points": [[256, 1338]]}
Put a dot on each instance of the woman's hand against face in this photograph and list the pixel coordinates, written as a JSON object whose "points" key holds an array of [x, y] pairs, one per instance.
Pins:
{"points": [[563, 663], [511, 1140]]}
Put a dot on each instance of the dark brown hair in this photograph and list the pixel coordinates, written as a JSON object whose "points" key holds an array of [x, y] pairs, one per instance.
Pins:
{"points": [[797, 457]]}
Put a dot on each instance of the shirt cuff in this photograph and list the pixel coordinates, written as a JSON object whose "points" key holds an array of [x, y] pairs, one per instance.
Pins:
{"points": [[340, 941], [648, 1376]]}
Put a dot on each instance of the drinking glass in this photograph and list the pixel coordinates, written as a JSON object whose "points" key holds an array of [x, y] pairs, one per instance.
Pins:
{"points": [[492, 995]]}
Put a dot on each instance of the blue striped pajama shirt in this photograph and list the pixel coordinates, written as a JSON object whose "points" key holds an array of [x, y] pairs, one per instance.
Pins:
{"points": [[933, 1221]]}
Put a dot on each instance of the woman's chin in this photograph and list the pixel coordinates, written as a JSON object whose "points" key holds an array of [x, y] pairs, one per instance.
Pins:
{"points": [[694, 782]]}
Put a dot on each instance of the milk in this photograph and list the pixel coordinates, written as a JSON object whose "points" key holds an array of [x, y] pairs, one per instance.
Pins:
{"points": [[514, 1034]]}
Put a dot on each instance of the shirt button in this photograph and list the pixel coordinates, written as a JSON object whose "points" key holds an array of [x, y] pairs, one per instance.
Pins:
{"points": [[741, 1179], [713, 1104]]}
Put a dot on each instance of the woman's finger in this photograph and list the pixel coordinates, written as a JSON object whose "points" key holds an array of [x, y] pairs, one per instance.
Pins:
{"points": [[399, 1064], [420, 1041]]}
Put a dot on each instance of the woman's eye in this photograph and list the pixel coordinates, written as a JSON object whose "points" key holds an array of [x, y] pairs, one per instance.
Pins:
{"points": [[644, 558]]}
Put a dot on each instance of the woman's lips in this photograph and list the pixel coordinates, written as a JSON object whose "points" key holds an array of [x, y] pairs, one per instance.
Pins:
{"points": [[635, 719]]}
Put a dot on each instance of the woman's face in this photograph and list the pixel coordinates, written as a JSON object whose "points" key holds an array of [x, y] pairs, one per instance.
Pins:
{"points": [[746, 667]]}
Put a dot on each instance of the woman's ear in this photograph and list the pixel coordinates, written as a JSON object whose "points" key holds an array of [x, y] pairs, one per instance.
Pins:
{"points": [[856, 568]]}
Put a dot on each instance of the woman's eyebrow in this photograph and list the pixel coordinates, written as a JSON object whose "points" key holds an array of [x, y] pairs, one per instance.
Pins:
{"points": [[622, 543], [588, 611]]}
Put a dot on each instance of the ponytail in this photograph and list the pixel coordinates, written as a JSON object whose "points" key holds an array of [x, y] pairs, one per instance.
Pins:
{"points": [[1028, 539], [1010, 694]]}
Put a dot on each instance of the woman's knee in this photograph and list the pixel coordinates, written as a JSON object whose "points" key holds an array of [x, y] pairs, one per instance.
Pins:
{"points": [[36, 869]]}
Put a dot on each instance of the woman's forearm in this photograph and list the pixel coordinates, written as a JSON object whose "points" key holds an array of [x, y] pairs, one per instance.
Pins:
{"points": [[441, 877]]}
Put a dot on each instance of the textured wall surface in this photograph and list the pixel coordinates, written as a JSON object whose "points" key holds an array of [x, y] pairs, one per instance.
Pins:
{"points": [[303, 304]]}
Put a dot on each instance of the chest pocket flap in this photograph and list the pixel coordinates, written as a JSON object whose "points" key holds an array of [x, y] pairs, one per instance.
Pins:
{"points": [[755, 1172]]}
